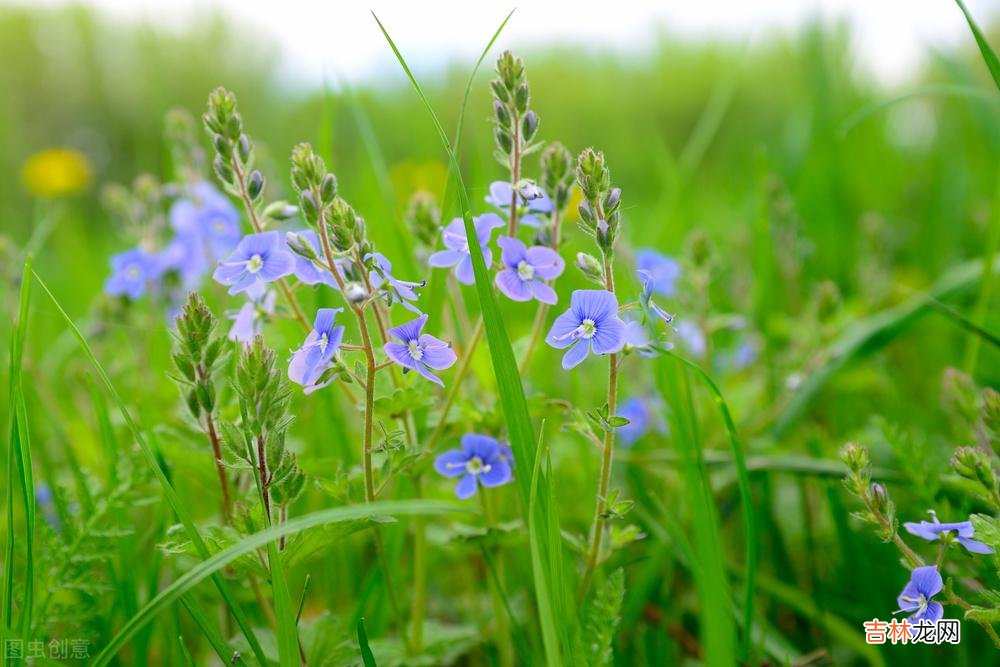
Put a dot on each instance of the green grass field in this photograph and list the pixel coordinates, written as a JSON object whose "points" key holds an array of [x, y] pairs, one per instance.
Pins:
{"points": [[173, 497]]}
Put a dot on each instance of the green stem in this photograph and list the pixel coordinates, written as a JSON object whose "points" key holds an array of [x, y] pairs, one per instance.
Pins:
{"points": [[501, 629], [606, 460], [456, 385]]}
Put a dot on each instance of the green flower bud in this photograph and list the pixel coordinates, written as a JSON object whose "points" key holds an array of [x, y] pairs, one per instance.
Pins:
{"points": [[245, 149], [521, 98], [529, 125], [590, 267], [504, 141], [328, 188], [855, 457], [280, 210], [974, 464], [501, 113], [255, 184]]}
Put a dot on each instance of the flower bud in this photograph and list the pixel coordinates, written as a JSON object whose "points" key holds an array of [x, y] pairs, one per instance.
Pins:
{"points": [[613, 199], [529, 125], [973, 463], [590, 266], [300, 246], [255, 184], [280, 210], [307, 204], [521, 98], [855, 457], [222, 145], [355, 292], [504, 142], [222, 170], [328, 188], [245, 148], [501, 113], [879, 497]]}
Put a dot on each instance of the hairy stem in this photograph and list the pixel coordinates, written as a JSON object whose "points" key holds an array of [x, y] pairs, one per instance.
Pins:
{"points": [[606, 460], [213, 436]]}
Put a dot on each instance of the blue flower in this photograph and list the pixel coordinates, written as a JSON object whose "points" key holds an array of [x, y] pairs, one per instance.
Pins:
{"points": [[131, 272], [185, 256], [208, 215], [692, 337], [934, 530], [925, 582], [248, 321], [258, 259], [402, 291], [309, 272], [419, 352], [316, 355], [663, 271], [526, 270], [591, 323], [481, 460], [530, 202], [646, 297], [458, 253], [643, 414]]}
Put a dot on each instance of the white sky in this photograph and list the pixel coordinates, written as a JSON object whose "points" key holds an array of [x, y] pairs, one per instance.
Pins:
{"points": [[340, 39]]}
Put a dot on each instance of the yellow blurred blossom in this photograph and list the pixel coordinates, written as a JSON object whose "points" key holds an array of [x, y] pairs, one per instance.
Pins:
{"points": [[56, 172], [408, 177]]}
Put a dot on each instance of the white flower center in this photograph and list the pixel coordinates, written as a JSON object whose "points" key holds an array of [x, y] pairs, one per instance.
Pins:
{"points": [[525, 271], [255, 264], [587, 328], [475, 466], [219, 226], [133, 272], [416, 351], [324, 340]]}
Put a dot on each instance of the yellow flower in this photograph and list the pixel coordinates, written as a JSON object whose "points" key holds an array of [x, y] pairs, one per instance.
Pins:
{"points": [[56, 172]]}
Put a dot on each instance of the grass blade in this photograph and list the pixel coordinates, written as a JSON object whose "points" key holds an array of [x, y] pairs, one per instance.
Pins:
{"points": [[989, 55], [367, 657], [212, 565], [515, 409], [168, 490], [715, 625], [874, 332], [746, 499]]}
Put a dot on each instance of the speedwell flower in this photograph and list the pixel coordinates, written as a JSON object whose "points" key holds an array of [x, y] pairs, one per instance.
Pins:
{"points": [[248, 320], [925, 582], [419, 352], [526, 270], [458, 253], [131, 272], [934, 530], [208, 215], [257, 259], [529, 204], [663, 271], [643, 414], [481, 460], [316, 355], [403, 291], [648, 286], [591, 323]]}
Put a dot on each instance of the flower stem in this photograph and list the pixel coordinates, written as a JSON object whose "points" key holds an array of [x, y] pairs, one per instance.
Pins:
{"points": [[418, 605], [455, 386], [213, 436], [258, 226], [606, 460], [501, 629]]}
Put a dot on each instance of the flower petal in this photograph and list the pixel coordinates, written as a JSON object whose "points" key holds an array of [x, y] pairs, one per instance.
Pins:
{"points": [[499, 473], [512, 286], [400, 354], [466, 487], [564, 325], [610, 336], [483, 446], [974, 546], [437, 353], [451, 463], [594, 304], [512, 251], [546, 262], [543, 292], [410, 330], [464, 272], [576, 354]]}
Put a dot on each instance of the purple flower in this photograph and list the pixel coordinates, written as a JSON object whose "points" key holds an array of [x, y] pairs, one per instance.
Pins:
{"points": [[399, 290], [591, 323], [185, 256], [257, 259], [526, 270], [925, 582], [663, 271], [131, 272], [643, 414], [637, 338], [310, 361], [248, 321], [481, 460], [648, 285], [419, 352], [208, 215], [307, 271], [529, 202], [934, 530], [458, 253], [692, 337]]}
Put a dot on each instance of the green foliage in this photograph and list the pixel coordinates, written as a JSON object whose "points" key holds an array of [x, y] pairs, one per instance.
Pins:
{"points": [[602, 617]]}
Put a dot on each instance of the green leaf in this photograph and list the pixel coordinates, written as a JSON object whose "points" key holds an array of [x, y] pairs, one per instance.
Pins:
{"points": [[366, 652], [987, 530], [168, 490], [989, 56], [250, 543], [603, 615]]}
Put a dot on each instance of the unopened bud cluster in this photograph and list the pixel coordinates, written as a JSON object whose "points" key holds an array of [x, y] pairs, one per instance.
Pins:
{"points": [[320, 204], [197, 353], [422, 217], [879, 509], [234, 152], [600, 210], [558, 175], [516, 124]]}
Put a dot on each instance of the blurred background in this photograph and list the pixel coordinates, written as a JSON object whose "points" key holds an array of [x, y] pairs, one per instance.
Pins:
{"points": [[838, 156]]}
